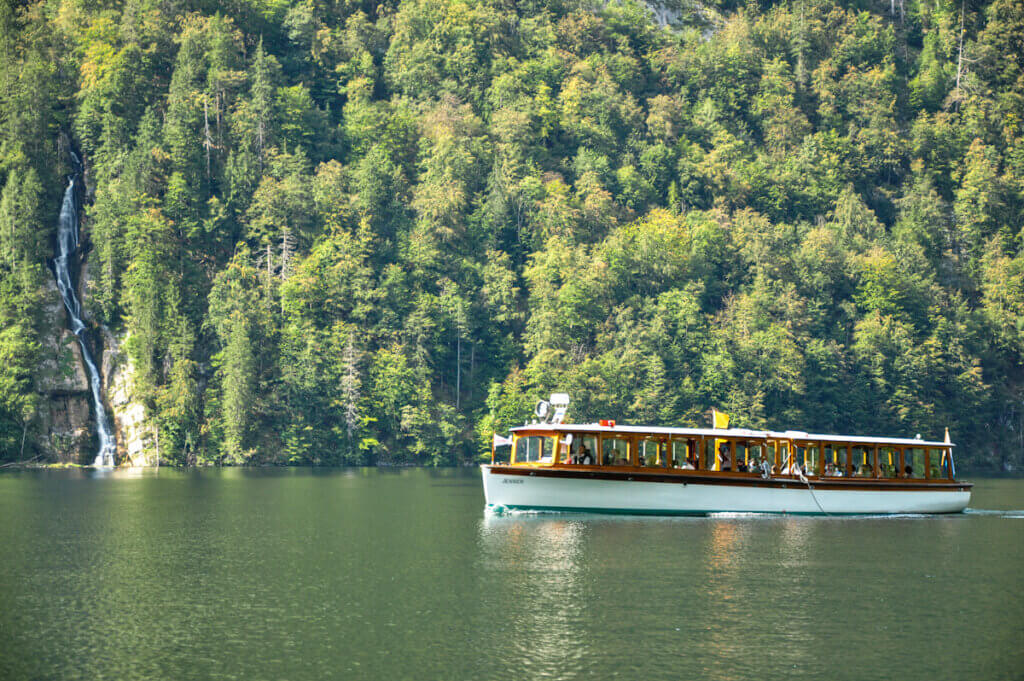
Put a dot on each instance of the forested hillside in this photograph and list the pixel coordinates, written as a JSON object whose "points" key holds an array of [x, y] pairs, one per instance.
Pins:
{"points": [[340, 231]]}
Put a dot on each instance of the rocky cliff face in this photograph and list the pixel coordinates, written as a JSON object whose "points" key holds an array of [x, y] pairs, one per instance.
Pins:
{"points": [[65, 423], [135, 437]]}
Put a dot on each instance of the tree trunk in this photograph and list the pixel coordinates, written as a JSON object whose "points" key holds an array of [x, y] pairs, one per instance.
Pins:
{"points": [[960, 55], [207, 139], [472, 369]]}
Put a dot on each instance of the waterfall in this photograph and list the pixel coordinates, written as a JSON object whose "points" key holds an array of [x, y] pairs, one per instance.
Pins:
{"points": [[67, 247]]}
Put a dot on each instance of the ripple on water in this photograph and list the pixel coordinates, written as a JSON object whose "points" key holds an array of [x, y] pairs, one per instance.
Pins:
{"points": [[360, 574], [995, 512]]}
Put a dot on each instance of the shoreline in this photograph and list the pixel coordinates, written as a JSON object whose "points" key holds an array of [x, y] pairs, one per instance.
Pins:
{"points": [[964, 474]]}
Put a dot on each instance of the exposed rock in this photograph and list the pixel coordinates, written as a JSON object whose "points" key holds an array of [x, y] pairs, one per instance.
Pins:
{"points": [[65, 427], [61, 371], [665, 13], [135, 437], [64, 420]]}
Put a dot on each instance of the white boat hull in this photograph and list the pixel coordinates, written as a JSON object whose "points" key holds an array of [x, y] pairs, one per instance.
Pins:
{"points": [[547, 491]]}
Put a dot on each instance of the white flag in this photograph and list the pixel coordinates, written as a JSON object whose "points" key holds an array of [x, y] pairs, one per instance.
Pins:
{"points": [[499, 440]]}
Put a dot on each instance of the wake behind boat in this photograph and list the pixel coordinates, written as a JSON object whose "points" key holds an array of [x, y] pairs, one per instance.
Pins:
{"points": [[607, 468]]}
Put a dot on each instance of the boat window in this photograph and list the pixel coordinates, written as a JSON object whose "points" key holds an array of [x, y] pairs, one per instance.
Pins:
{"points": [[913, 462], [742, 451], [710, 454], [836, 461], [650, 453], [756, 451], [888, 461], [844, 460], [782, 460], [683, 454], [548, 445], [726, 455], [798, 456], [534, 448], [775, 452], [502, 454], [584, 450], [862, 462], [615, 451], [565, 444], [792, 457], [810, 460], [768, 449], [938, 464]]}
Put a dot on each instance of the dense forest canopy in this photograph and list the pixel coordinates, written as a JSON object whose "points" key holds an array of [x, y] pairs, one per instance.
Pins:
{"points": [[343, 232]]}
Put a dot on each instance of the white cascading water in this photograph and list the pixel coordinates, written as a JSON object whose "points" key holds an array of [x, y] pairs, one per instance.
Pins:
{"points": [[67, 245]]}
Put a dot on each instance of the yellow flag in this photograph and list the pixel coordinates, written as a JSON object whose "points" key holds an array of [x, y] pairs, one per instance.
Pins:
{"points": [[719, 419]]}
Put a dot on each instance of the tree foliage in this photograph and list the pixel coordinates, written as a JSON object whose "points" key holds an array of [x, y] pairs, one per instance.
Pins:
{"points": [[356, 232]]}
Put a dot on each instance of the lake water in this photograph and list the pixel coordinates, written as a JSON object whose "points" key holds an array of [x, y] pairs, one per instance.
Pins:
{"points": [[378, 574]]}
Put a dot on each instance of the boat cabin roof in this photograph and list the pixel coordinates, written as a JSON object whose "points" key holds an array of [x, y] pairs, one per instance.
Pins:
{"points": [[734, 433]]}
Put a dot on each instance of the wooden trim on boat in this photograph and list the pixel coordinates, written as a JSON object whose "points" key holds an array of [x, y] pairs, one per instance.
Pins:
{"points": [[725, 478]]}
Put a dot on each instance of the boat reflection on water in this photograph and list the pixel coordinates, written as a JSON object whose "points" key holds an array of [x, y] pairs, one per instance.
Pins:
{"points": [[711, 593]]}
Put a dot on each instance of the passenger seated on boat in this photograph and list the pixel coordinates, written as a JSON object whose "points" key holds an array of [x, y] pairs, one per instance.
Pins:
{"points": [[909, 470], [649, 454], [723, 457], [585, 457]]}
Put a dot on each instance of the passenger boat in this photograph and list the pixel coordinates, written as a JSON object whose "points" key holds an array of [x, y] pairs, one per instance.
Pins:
{"points": [[608, 468]]}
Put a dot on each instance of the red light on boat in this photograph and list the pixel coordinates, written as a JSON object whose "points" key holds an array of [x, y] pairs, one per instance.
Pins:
{"points": [[607, 422]]}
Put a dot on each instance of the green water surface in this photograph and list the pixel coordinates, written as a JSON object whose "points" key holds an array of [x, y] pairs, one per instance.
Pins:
{"points": [[380, 574]]}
